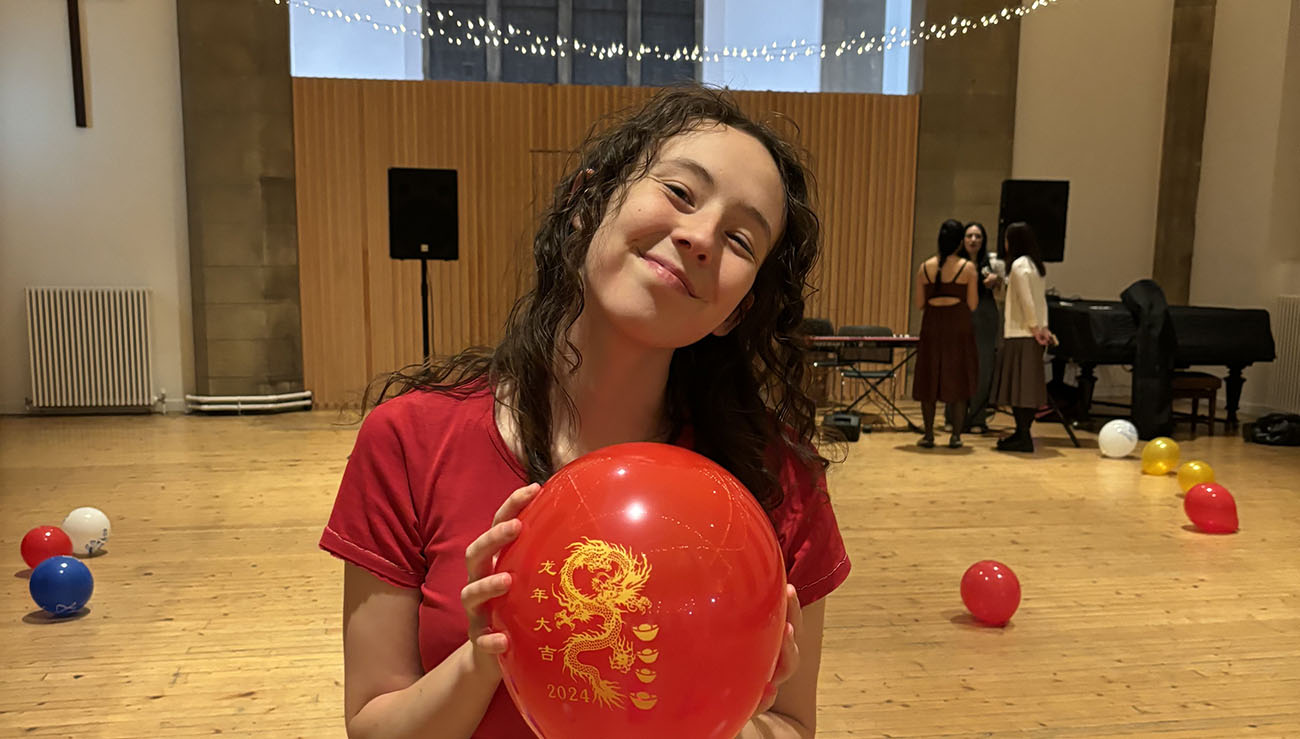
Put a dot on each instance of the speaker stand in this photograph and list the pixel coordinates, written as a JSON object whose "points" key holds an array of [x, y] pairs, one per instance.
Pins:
{"points": [[424, 305]]}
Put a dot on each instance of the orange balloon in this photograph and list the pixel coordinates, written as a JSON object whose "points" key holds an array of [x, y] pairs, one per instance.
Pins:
{"points": [[647, 599]]}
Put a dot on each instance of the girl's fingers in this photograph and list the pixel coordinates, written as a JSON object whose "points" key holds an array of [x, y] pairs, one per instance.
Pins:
{"points": [[793, 613], [516, 503], [788, 663], [492, 642], [479, 554], [473, 597], [475, 594], [788, 659], [484, 585], [768, 699]]}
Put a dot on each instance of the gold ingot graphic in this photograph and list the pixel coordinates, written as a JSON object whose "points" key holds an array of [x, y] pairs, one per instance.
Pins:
{"points": [[646, 675], [648, 655], [645, 632], [643, 700]]}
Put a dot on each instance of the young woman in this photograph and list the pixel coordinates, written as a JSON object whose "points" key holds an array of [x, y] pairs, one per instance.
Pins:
{"points": [[670, 285], [1020, 381], [946, 359], [987, 321]]}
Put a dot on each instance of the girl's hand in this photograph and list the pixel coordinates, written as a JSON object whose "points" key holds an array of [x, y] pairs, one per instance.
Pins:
{"points": [[483, 585], [787, 662]]}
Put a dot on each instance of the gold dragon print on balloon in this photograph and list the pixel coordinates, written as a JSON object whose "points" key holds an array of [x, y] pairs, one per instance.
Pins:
{"points": [[617, 577]]}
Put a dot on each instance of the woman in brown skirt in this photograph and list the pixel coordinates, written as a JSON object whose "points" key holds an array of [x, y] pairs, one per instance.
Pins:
{"points": [[947, 362], [1019, 380]]}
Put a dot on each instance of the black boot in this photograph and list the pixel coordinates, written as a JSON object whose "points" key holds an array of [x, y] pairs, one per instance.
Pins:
{"points": [[957, 410], [1020, 441], [927, 415]]}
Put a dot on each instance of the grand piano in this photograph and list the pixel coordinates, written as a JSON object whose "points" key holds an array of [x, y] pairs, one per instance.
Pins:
{"points": [[1095, 332]]}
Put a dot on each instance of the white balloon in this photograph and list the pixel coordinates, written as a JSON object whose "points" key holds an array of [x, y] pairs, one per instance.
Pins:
{"points": [[88, 528], [1117, 438]]}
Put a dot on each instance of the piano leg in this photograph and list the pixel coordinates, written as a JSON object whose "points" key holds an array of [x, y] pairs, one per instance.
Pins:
{"points": [[1087, 383], [1233, 383], [1058, 369]]}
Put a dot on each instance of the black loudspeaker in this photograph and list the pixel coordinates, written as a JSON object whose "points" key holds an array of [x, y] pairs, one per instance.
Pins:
{"points": [[844, 423], [422, 222], [1042, 204]]}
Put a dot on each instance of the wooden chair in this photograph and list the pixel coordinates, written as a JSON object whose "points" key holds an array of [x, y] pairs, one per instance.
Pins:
{"points": [[1196, 386]]}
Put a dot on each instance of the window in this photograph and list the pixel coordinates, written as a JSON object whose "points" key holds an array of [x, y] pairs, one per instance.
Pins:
{"points": [[452, 57], [600, 23], [541, 19], [670, 25]]}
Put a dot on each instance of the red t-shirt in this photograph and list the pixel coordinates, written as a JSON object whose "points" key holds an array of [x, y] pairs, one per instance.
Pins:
{"points": [[426, 476]]}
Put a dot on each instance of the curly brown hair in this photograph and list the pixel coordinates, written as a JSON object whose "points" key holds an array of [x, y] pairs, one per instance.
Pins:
{"points": [[742, 394]]}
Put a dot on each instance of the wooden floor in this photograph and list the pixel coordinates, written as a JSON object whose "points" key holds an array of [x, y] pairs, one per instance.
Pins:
{"points": [[215, 613]]}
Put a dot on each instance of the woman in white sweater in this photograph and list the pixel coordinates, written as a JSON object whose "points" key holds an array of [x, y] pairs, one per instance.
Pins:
{"points": [[1019, 380]]}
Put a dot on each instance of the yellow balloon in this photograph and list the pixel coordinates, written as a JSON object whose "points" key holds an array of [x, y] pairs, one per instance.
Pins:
{"points": [[1194, 473], [1160, 456]]}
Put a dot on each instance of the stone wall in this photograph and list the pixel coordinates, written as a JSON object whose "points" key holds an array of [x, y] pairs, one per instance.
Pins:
{"points": [[238, 121]]}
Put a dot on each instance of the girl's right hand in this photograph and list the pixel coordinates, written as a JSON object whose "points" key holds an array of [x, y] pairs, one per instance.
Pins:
{"points": [[480, 561]]}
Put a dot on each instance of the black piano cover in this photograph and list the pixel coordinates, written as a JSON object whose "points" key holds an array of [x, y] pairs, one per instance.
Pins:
{"points": [[1103, 332]]}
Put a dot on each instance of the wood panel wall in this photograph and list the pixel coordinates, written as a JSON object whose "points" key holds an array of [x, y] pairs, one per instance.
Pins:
{"points": [[510, 142]]}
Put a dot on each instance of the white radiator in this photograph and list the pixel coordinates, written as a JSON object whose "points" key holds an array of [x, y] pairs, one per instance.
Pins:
{"points": [[1285, 379], [90, 347]]}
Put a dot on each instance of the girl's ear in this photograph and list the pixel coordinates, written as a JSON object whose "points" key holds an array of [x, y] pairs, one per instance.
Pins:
{"points": [[736, 316], [578, 183]]}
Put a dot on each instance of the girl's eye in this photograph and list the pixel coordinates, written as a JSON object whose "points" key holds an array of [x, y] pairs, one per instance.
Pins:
{"points": [[680, 192], [742, 243]]}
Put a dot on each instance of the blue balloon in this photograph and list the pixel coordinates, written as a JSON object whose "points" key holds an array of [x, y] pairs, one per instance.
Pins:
{"points": [[61, 585]]}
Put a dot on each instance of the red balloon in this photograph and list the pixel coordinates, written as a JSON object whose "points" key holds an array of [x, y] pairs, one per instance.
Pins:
{"points": [[44, 542], [991, 592], [647, 599], [1211, 508]]}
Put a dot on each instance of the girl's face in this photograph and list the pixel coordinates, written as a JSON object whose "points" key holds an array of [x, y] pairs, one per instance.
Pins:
{"points": [[674, 261], [973, 241]]}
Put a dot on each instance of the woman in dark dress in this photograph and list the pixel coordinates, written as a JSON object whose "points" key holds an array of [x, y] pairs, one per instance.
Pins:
{"points": [[946, 359], [987, 320]]}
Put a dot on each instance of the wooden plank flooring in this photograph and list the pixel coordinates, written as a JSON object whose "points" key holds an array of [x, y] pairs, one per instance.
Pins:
{"points": [[214, 612]]}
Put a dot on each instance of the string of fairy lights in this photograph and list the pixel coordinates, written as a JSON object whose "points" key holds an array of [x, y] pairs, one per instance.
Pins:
{"points": [[461, 30]]}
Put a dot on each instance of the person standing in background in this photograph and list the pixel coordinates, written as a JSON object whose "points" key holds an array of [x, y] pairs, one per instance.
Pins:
{"points": [[1019, 380], [946, 360], [987, 321]]}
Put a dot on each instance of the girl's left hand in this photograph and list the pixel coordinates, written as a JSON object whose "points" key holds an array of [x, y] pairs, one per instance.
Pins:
{"points": [[787, 662]]}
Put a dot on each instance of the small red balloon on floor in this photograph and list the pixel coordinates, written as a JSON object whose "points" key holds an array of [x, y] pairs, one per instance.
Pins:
{"points": [[44, 542], [1211, 508], [991, 592]]}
